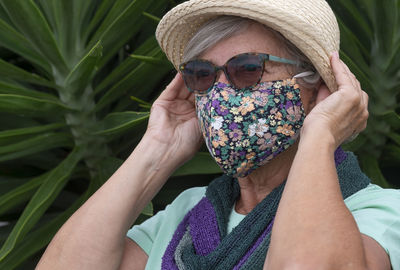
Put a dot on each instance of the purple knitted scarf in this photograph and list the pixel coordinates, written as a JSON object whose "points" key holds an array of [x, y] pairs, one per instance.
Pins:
{"points": [[201, 240]]}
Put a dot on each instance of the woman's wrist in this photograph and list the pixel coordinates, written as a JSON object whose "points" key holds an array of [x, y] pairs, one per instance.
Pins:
{"points": [[317, 139], [156, 157]]}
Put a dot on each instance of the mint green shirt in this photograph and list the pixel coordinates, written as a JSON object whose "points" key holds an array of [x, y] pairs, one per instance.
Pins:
{"points": [[376, 211]]}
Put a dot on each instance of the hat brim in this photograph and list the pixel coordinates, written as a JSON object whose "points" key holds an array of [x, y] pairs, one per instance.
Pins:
{"points": [[312, 28]]}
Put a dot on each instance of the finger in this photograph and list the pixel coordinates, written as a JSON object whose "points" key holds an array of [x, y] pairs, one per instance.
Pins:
{"points": [[354, 81], [361, 113], [173, 89], [347, 69], [339, 70], [323, 93], [358, 85], [364, 99], [191, 98], [184, 93]]}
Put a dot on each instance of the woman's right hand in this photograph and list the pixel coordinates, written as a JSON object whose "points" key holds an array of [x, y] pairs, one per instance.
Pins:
{"points": [[341, 114], [172, 137], [173, 121]]}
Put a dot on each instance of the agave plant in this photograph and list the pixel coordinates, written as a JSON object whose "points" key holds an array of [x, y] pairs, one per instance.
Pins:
{"points": [[76, 83], [370, 37]]}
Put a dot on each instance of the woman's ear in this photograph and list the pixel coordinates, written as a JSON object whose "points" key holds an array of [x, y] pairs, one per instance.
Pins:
{"points": [[323, 93], [308, 97], [312, 94], [318, 93]]}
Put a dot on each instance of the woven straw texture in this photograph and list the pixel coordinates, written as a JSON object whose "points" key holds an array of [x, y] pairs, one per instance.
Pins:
{"points": [[308, 24]]}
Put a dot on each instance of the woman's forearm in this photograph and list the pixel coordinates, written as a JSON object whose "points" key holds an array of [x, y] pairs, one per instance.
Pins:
{"points": [[93, 238], [313, 228]]}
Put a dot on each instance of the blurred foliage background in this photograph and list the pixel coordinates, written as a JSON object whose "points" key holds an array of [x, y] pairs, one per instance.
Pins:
{"points": [[77, 79]]}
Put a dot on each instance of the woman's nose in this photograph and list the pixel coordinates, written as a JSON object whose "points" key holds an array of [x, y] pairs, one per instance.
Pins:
{"points": [[222, 77]]}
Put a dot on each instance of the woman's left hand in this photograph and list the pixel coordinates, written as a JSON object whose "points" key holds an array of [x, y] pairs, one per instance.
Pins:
{"points": [[339, 115], [311, 212]]}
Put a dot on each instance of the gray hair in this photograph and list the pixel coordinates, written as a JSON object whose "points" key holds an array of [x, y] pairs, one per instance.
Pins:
{"points": [[223, 27]]}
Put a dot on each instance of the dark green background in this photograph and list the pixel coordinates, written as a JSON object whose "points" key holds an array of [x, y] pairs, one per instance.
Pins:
{"points": [[77, 79]]}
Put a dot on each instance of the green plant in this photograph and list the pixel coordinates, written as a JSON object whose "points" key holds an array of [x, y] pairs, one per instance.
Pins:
{"points": [[77, 80], [370, 45]]}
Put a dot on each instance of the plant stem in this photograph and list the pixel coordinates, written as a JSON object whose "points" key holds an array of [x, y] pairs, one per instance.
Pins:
{"points": [[82, 121]]}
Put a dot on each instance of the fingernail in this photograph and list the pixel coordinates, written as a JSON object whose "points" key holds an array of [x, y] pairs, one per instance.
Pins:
{"points": [[335, 55]]}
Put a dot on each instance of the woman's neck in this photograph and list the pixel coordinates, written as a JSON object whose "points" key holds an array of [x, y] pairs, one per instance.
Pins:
{"points": [[256, 186]]}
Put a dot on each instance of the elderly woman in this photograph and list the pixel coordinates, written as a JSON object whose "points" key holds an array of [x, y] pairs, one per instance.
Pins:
{"points": [[262, 83]]}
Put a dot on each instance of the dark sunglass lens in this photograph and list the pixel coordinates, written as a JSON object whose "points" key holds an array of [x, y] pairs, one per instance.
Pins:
{"points": [[245, 70], [198, 75]]}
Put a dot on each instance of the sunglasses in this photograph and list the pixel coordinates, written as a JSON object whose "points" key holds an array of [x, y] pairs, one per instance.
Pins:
{"points": [[242, 71]]}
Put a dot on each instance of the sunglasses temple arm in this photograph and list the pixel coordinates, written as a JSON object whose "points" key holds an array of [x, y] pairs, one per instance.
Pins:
{"points": [[282, 60]]}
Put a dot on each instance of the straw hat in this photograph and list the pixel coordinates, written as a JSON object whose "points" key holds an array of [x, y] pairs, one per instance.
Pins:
{"points": [[308, 24]]}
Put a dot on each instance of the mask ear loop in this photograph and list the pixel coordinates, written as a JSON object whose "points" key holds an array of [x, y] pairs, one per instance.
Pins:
{"points": [[309, 77], [304, 74]]}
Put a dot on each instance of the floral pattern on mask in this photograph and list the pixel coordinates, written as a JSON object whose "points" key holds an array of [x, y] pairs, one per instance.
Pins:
{"points": [[244, 129]]}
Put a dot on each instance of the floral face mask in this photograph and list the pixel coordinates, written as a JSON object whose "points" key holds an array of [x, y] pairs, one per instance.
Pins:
{"points": [[245, 129]]}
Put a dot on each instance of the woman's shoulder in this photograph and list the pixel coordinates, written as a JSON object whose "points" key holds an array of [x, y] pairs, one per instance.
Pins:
{"points": [[376, 211], [185, 201], [374, 202], [154, 234], [181, 205], [373, 196], [191, 195]]}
